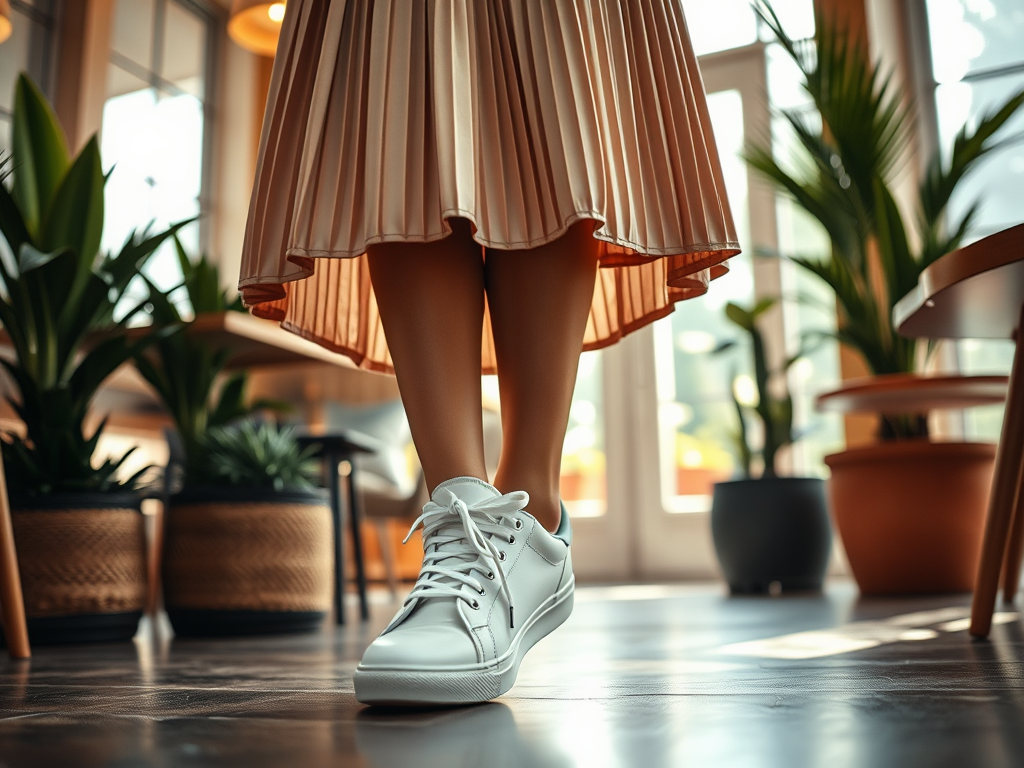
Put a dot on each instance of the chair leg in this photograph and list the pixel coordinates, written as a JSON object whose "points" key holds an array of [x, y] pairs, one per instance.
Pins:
{"points": [[12, 603], [387, 554], [1015, 546], [1003, 502]]}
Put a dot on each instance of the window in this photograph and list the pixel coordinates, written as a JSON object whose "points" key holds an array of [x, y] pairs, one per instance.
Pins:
{"points": [[30, 48], [977, 63], [155, 124]]}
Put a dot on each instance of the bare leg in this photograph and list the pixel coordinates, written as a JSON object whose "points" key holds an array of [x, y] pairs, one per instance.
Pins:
{"points": [[431, 300], [539, 300]]}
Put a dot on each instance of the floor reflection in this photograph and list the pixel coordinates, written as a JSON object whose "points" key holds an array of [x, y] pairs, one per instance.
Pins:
{"points": [[463, 737]]}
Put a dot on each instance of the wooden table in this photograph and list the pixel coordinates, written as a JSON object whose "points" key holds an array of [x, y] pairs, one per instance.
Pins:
{"points": [[978, 292]]}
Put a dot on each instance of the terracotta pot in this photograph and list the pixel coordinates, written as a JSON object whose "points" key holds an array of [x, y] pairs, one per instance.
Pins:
{"points": [[911, 514], [247, 561]]}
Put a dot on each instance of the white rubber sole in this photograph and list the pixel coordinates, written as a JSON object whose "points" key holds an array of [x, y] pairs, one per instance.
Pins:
{"points": [[426, 687]]}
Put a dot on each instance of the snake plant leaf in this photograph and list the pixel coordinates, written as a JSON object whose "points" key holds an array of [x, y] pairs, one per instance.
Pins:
{"points": [[40, 152], [12, 225], [74, 218]]}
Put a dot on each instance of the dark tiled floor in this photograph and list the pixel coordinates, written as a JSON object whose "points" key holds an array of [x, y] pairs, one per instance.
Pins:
{"points": [[639, 676]]}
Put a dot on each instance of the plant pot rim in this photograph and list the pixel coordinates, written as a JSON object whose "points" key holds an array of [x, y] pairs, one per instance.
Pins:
{"points": [[87, 501], [907, 449], [784, 480], [248, 495]]}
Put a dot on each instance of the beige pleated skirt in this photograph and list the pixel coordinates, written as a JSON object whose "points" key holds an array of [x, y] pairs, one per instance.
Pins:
{"points": [[387, 117]]}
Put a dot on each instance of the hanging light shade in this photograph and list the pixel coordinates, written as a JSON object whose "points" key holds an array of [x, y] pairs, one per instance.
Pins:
{"points": [[5, 20], [255, 25]]}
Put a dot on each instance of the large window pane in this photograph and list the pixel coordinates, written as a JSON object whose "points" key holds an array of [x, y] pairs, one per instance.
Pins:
{"points": [[154, 126], [998, 179], [974, 35], [696, 417]]}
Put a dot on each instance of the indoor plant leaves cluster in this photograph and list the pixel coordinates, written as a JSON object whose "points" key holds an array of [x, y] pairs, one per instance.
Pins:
{"points": [[844, 176], [186, 370], [60, 303], [250, 455]]}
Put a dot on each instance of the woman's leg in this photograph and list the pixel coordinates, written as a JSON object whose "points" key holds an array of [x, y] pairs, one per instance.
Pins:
{"points": [[431, 301], [539, 301]]}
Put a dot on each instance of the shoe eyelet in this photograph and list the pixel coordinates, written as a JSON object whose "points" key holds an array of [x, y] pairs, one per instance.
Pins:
{"points": [[501, 556], [475, 605], [490, 575], [511, 539], [519, 525], [482, 592]]}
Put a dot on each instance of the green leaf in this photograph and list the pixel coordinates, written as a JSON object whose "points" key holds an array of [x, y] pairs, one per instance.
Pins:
{"points": [[739, 316], [40, 152], [74, 218]]}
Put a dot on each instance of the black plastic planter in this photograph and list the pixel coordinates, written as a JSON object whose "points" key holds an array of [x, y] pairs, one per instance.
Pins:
{"points": [[772, 531]]}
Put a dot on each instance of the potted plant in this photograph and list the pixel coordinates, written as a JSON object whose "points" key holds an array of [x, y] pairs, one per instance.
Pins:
{"points": [[77, 520], [248, 548], [909, 511], [771, 531]]}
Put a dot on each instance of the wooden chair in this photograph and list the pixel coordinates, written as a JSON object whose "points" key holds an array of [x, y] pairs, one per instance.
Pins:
{"points": [[12, 605], [977, 292]]}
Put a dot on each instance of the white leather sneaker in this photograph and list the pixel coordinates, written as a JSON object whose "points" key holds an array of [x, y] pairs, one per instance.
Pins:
{"points": [[493, 583]]}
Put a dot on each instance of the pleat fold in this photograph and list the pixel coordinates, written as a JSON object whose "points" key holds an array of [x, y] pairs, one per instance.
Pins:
{"points": [[385, 118]]}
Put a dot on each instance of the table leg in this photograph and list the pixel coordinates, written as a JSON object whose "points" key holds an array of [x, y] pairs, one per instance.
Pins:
{"points": [[12, 603], [355, 521], [1002, 503], [333, 482]]}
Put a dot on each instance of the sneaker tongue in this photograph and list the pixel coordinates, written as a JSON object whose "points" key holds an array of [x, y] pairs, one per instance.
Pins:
{"points": [[469, 489]]}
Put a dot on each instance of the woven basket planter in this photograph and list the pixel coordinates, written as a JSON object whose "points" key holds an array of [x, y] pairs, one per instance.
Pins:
{"points": [[241, 562], [82, 559]]}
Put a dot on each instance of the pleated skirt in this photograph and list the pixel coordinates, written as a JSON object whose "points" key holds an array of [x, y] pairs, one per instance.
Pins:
{"points": [[385, 118]]}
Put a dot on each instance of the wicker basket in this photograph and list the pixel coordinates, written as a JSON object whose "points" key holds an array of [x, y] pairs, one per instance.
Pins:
{"points": [[82, 560], [243, 563]]}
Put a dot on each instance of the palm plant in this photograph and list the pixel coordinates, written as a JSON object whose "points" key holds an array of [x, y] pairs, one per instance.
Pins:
{"points": [[59, 300], [844, 178], [185, 370]]}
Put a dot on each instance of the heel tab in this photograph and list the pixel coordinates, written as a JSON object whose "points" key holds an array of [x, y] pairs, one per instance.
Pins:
{"points": [[564, 531]]}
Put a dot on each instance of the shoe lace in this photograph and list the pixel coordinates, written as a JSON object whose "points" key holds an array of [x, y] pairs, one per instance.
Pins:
{"points": [[457, 544]]}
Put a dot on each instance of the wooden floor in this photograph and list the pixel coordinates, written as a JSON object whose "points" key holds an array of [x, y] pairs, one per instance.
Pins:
{"points": [[640, 676]]}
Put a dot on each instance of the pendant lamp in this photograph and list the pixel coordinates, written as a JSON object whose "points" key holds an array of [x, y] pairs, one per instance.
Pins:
{"points": [[255, 25], [5, 20]]}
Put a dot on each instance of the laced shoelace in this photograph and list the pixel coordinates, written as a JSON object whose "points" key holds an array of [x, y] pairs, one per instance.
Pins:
{"points": [[457, 544]]}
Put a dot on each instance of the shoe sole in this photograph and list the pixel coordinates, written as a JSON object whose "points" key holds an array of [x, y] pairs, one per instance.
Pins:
{"points": [[406, 687]]}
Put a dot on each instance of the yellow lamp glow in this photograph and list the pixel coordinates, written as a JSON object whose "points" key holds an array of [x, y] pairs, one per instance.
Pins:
{"points": [[255, 25], [5, 20]]}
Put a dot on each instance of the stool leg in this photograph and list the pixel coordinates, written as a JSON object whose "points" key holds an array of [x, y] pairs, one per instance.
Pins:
{"points": [[1002, 503], [12, 603], [355, 523], [333, 482]]}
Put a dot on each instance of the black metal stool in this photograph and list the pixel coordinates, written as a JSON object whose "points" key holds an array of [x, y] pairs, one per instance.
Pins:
{"points": [[333, 449]]}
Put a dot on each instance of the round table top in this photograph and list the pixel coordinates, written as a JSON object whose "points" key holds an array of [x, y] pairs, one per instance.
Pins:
{"points": [[975, 292], [913, 393]]}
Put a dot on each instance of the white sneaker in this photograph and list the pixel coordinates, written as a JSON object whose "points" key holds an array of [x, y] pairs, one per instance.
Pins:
{"points": [[493, 583]]}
